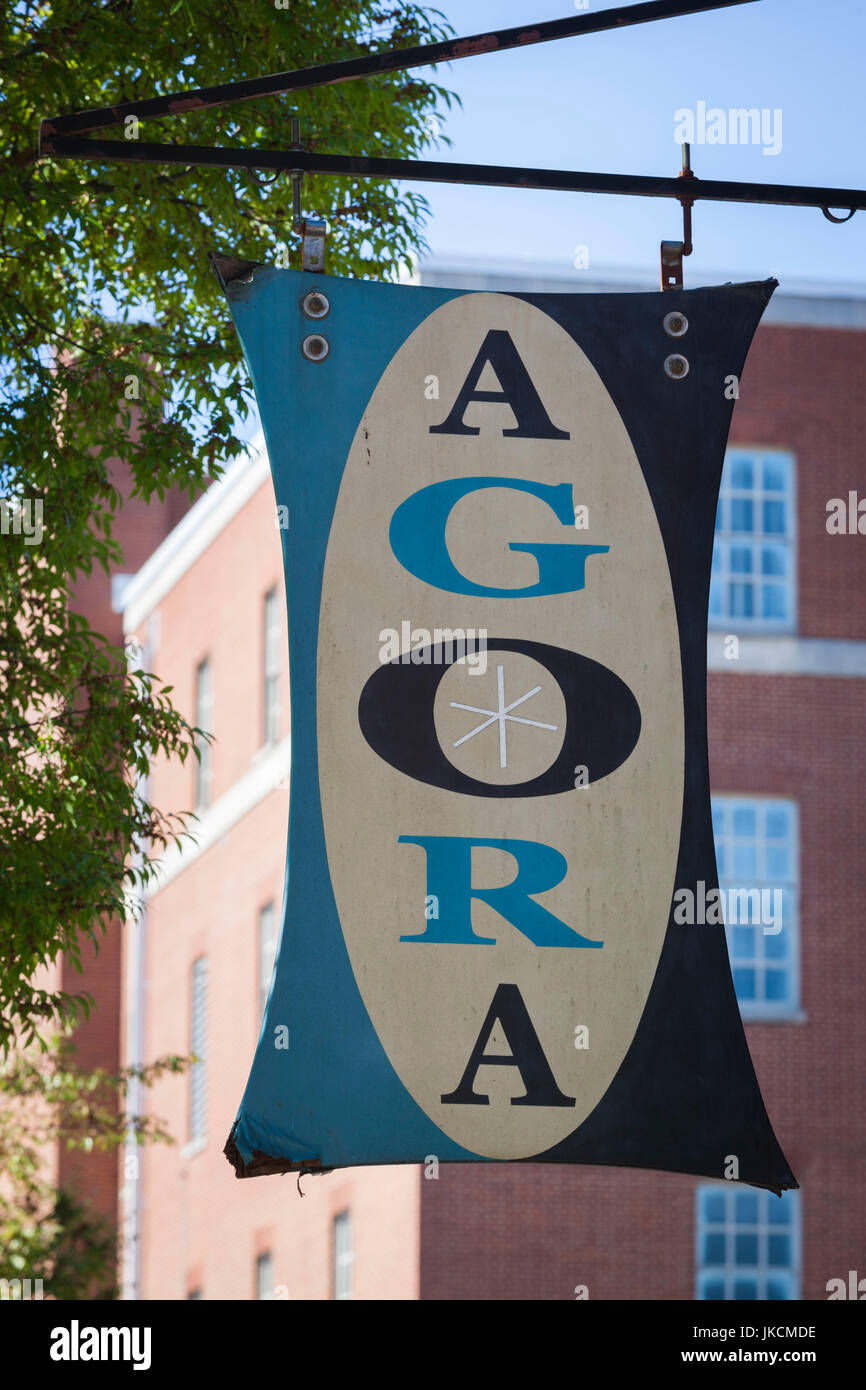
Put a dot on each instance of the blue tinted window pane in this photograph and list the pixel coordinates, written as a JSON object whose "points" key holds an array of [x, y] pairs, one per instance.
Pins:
{"points": [[741, 559], [714, 1207], [773, 603], [743, 943], [746, 1249], [774, 475], [718, 818], [778, 822], [777, 985], [742, 473], [715, 599], [779, 1209], [717, 559], [721, 855], [742, 514], [774, 517], [779, 1250], [745, 820], [778, 861], [773, 560], [719, 518], [778, 1289], [776, 947], [744, 982], [745, 1289], [740, 601], [745, 863], [713, 1288], [714, 1249], [746, 1211]]}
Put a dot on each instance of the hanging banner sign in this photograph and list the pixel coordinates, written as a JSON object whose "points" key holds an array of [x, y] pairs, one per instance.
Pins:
{"points": [[498, 516]]}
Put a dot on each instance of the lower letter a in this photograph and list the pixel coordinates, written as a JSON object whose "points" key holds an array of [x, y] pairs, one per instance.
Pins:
{"points": [[526, 1054]]}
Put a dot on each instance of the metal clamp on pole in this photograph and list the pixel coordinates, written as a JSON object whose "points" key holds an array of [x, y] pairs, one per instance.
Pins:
{"points": [[313, 231], [314, 235], [672, 252]]}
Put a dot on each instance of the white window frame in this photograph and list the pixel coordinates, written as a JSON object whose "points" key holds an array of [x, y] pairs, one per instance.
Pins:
{"points": [[267, 951], [198, 993], [756, 1010], [342, 1256], [264, 1275], [762, 1271], [724, 538], [271, 667], [204, 721]]}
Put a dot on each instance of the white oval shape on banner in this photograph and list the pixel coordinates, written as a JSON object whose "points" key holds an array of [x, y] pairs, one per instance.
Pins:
{"points": [[620, 836]]}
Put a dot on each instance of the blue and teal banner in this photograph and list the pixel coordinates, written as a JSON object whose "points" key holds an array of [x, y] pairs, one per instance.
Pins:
{"points": [[499, 514]]}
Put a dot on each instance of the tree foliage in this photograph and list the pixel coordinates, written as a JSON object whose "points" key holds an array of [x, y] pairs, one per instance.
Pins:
{"points": [[105, 282], [49, 1233]]}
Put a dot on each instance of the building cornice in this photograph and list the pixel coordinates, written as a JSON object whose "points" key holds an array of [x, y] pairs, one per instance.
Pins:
{"points": [[268, 772], [788, 656], [188, 541], [797, 301]]}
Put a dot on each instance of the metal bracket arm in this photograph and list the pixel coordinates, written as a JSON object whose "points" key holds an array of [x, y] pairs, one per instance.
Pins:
{"points": [[436, 171], [396, 60]]}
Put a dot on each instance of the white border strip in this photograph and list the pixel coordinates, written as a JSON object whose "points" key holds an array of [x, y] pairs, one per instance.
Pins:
{"points": [[789, 656], [188, 541], [270, 770]]}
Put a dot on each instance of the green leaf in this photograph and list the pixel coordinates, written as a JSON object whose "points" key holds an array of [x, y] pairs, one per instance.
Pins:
{"points": [[105, 275]]}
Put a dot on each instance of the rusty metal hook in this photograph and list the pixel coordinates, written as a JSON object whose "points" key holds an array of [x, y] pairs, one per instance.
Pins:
{"points": [[830, 218], [672, 252]]}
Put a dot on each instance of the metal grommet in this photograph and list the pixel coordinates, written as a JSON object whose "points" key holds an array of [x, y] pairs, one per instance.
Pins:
{"points": [[677, 366], [316, 305], [675, 323], [315, 348]]}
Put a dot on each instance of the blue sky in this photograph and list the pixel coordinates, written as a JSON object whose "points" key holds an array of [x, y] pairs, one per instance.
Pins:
{"points": [[607, 102]]}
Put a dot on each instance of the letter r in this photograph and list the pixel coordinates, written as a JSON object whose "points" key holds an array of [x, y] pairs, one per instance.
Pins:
{"points": [[449, 877]]}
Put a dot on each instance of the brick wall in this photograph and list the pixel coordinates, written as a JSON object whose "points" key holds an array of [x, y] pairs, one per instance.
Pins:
{"points": [[803, 389], [529, 1231], [200, 1226], [139, 527]]}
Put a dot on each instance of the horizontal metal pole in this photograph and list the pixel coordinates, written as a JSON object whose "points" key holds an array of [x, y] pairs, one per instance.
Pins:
{"points": [[435, 171], [396, 60]]}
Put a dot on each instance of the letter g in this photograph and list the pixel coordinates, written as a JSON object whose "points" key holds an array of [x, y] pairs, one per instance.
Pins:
{"points": [[417, 536]]}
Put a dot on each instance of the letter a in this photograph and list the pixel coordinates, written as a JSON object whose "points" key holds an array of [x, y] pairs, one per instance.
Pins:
{"points": [[59, 1350], [836, 517], [526, 1054], [518, 392]]}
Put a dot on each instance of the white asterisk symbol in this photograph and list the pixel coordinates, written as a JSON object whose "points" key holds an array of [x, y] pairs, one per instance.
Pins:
{"points": [[500, 715]]}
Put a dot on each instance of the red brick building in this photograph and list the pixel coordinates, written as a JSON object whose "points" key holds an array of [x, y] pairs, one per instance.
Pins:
{"points": [[141, 527], [787, 656]]}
